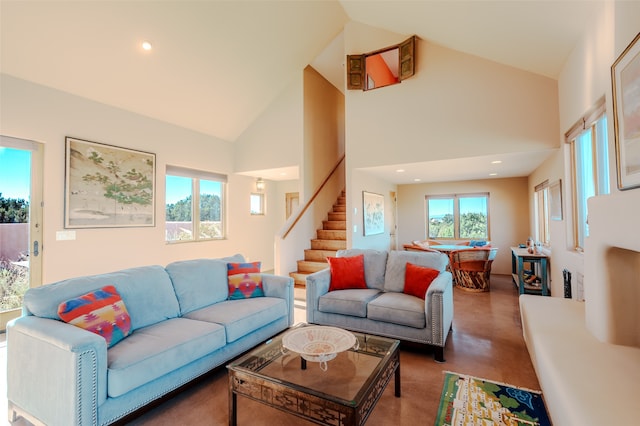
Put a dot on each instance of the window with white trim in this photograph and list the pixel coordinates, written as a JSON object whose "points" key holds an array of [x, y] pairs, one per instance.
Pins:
{"points": [[257, 204], [589, 167], [194, 205], [464, 216]]}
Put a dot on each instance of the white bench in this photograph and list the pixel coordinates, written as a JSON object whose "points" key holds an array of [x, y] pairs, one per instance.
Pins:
{"points": [[584, 381]]}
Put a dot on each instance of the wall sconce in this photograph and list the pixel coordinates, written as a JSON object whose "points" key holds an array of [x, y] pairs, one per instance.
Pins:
{"points": [[259, 184]]}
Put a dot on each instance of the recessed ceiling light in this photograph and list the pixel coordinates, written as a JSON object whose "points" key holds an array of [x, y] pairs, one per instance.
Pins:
{"points": [[283, 173], [400, 171], [493, 174], [417, 180], [496, 162], [146, 45]]}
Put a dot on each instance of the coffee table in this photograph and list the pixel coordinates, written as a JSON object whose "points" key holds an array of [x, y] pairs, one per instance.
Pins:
{"points": [[344, 394]]}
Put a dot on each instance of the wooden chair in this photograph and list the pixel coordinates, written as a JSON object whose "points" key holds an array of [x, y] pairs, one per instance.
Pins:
{"points": [[471, 268], [421, 245]]}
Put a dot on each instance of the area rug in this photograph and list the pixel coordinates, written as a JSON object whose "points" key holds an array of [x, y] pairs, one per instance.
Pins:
{"points": [[468, 400]]}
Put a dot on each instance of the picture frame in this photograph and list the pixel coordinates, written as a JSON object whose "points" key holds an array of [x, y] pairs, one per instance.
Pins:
{"points": [[555, 205], [373, 213], [625, 80], [108, 186]]}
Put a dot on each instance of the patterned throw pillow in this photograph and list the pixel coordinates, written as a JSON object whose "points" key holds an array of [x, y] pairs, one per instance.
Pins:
{"points": [[245, 280], [347, 272], [102, 312], [417, 280]]}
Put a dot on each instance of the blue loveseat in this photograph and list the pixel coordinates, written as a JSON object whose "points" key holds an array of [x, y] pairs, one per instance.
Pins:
{"points": [[182, 323], [383, 308]]}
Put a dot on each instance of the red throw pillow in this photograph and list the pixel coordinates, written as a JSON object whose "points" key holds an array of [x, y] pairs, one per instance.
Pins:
{"points": [[347, 272], [417, 280]]}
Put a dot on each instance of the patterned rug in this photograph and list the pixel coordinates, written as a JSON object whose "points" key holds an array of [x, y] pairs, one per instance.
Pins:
{"points": [[468, 400]]}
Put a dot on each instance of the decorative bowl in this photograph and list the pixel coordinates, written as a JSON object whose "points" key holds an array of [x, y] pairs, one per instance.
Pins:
{"points": [[318, 343]]}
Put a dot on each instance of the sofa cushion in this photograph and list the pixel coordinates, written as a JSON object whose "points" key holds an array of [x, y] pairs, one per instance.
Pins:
{"points": [[347, 302], [398, 308], [146, 291], [245, 286], [101, 312], [151, 352], [417, 279], [199, 282], [375, 263], [347, 272], [245, 280], [397, 263], [241, 317]]}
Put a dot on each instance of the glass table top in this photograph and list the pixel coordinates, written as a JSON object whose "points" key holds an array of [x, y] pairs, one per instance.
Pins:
{"points": [[346, 379]]}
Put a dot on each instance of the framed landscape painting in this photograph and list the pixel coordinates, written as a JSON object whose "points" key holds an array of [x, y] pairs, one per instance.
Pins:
{"points": [[373, 211], [107, 186], [625, 78]]}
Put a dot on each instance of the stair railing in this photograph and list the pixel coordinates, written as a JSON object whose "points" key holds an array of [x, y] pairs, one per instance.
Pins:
{"points": [[313, 197]]}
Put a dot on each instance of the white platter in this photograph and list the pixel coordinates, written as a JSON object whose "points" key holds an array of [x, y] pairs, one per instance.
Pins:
{"points": [[318, 343]]}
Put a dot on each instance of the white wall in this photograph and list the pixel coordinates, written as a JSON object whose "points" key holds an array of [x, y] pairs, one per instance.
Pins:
{"points": [[456, 105], [508, 212], [360, 181], [274, 139], [34, 112], [323, 146], [584, 79]]}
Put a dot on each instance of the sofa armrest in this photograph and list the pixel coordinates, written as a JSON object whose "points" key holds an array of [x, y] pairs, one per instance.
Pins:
{"points": [[56, 372], [281, 287], [317, 286], [438, 307]]}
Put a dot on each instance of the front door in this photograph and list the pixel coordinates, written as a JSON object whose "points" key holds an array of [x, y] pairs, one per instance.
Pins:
{"points": [[20, 223]]}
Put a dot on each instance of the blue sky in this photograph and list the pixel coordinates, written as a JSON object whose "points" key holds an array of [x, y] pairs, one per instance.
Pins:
{"points": [[178, 188], [438, 207], [15, 173]]}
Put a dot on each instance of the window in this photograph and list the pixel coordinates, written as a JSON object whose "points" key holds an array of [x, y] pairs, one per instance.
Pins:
{"points": [[541, 205], [458, 216], [194, 205], [590, 167], [257, 204]]}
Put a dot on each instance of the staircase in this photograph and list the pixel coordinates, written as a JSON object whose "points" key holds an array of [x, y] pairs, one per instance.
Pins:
{"points": [[331, 238]]}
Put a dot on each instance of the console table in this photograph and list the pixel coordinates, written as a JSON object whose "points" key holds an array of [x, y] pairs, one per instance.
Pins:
{"points": [[539, 265]]}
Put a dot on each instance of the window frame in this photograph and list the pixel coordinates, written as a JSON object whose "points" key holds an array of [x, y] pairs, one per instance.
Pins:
{"points": [[456, 213], [196, 177], [262, 211], [542, 210], [599, 146]]}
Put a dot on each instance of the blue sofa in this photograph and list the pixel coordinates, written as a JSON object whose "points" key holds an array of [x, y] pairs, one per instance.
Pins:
{"points": [[182, 327], [382, 308]]}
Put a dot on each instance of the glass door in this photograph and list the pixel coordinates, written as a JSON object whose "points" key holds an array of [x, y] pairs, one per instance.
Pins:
{"points": [[20, 223]]}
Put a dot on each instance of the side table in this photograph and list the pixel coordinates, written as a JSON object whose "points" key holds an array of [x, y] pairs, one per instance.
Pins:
{"points": [[539, 264]]}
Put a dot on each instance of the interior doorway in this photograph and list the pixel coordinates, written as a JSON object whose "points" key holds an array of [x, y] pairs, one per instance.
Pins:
{"points": [[20, 223]]}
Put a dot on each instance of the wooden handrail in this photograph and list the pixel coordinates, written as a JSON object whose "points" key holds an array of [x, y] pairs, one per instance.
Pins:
{"points": [[315, 194]]}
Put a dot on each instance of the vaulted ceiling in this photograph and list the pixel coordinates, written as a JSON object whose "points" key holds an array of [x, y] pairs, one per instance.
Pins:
{"points": [[216, 66]]}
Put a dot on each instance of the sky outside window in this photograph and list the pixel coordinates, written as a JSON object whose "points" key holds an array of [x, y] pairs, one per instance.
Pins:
{"points": [[15, 173]]}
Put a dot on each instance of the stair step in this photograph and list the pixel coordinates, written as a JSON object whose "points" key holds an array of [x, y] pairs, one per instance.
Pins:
{"points": [[342, 200], [334, 224], [339, 209], [337, 216], [318, 255], [329, 244], [311, 266], [331, 234], [299, 279]]}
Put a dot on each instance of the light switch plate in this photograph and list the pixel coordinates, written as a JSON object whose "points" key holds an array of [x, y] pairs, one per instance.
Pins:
{"points": [[65, 235]]}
